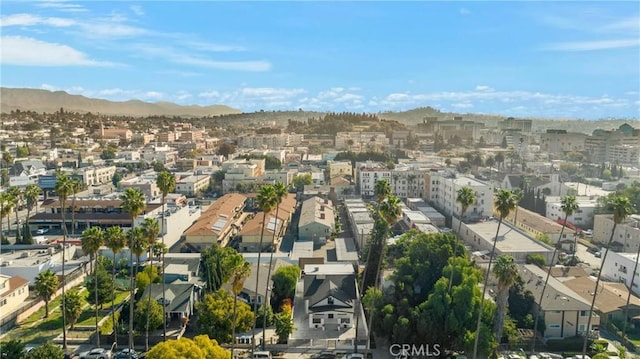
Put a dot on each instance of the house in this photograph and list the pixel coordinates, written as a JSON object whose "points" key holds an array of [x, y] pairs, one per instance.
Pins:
{"points": [[317, 220], [217, 224], [14, 291], [252, 234], [248, 292], [179, 299], [565, 312]]}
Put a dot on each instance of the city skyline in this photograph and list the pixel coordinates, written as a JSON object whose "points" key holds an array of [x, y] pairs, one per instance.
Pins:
{"points": [[521, 59]]}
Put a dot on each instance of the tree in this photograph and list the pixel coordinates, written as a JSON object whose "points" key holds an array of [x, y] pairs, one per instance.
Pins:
{"points": [[284, 322], [31, 194], [115, 240], [184, 348], [12, 349], [46, 285], [621, 208], [569, 206], [133, 202], [73, 308], [382, 190], [266, 200], [63, 188], [504, 203], [301, 180], [92, 239], [240, 270], [506, 271], [215, 316], [151, 229], [284, 284], [48, 350], [225, 149], [15, 197], [148, 276], [76, 186], [465, 198], [280, 192], [166, 183], [148, 314], [99, 284]]}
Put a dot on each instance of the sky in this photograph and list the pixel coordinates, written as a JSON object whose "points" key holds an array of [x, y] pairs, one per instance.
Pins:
{"points": [[563, 59]]}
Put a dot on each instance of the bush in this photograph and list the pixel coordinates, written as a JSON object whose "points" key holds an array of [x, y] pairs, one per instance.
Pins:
{"points": [[537, 259], [107, 327]]}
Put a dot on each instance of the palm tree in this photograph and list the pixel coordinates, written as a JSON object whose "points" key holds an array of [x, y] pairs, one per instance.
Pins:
{"points": [[151, 229], [266, 200], [382, 190], [92, 239], [4, 211], [569, 207], [504, 203], [115, 240], [77, 186], [7, 208], [137, 245], [133, 202], [621, 208], [506, 271], [16, 198], [31, 194], [466, 197], [166, 182], [240, 270], [280, 193], [63, 189], [46, 285], [518, 194]]}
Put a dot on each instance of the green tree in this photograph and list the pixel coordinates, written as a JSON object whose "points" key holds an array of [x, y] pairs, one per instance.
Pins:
{"points": [[151, 229], [284, 322], [99, 285], [63, 188], [73, 308], [133, 202], [12, 349], [225, 149], [240, 270], [465, 197], [115, 240], [166, 183], [76, 186], [506, 271], [148, 276], [46, 285], [621, 208], [16, 198], [48, 350], [504, 203], [92, 239], [569, 206], [148, 315], [301, 180], [184, 348], [284, 284], [31, 194], [215, 316], [381, 190]]}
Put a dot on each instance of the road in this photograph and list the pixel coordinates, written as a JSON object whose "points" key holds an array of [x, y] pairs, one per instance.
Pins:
{"points": [[588, 258]]}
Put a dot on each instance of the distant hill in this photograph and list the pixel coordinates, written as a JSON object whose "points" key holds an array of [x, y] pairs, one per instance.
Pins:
{"points": [[49, 101]]}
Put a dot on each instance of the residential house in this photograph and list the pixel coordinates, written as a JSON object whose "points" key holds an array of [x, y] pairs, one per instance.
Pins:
{"points": [[565, 312], [217, 224], [248, 292], [179, 300], [317, 220], [14, 291]]}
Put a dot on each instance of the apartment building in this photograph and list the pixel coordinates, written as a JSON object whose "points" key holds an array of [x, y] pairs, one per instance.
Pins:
{"points": [[367, 173], [582, 218], [537, 225], [14, 291], [603, 146], [561, 141], [442, 190], [270, 141], [217, 224], [192, 185], [147, 186], [627, 235], [274, 226], [317, 220], [361, 141]]}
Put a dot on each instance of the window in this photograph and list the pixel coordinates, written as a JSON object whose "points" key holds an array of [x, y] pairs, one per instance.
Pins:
{"points": [[583, 313], [330, 300], [330, 315], [554, 326], [317, 320]]}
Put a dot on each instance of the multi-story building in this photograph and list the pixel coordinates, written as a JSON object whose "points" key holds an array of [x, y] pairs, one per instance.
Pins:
{"points": [[582, 218], [192, 185], [624, 154], [561, 141], [116, 133], [162, 154], [454, 127], [270, 141], [317, 220], [603, 146], [368, 173], [537, 226], [192, 136], [14, 291], [217, 224], [511, 123], [166, 137], [274, 226], [241, 172], [145, 185], [627, 235], [442, 190], [340, 168], [408, 182]]}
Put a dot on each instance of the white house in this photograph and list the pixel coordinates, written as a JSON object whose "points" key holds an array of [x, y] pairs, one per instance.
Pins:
{"points": [[443, 190]]}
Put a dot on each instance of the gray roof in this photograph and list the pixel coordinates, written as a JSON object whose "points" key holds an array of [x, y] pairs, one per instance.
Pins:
{"points": [[341, 287], [178, 295], [28, 165], [192, 263], [557, 296], [250, 281]]}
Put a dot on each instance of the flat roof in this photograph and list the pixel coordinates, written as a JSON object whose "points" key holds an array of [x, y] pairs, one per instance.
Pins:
{"points": [[329, 269], [362, 217], [509, 239], [301, 249], [346, 250]]}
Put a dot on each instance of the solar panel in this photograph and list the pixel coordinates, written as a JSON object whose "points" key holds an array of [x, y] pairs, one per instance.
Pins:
{"points": [[219, 224]]}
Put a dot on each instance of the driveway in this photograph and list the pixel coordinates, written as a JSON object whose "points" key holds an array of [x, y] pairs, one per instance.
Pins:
{"points": [[588, 258]]}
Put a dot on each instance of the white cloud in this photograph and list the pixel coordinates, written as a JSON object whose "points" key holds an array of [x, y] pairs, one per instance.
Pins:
{"points": [[592, 45], [270, 93], [484, 88], [137, 9], [181, 57], [209, 94], [32, 20], [464, 11], [61, 6], [204, 46], [153, 95], [26, 51]]}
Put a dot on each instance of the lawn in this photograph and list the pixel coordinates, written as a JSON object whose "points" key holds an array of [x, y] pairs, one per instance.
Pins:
{"points": [[36, 329]]}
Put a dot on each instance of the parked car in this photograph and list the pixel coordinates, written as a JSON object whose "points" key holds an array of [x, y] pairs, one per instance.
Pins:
{"points": [[593, 250], [262, 355], [97, 353], [126, 354], [597, 254]]}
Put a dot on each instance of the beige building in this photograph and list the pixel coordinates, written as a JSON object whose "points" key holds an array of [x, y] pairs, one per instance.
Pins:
{"points": [[561, 141], [14, 291], [627, 235], [116, 133], [96, 175], [340, 168], [147, 186], [217, 224], [537, 225], [192, 185], [251, 232]]}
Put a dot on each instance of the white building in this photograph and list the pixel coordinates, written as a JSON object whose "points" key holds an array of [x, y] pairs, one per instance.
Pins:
{"points": [[618, 267], [368, 173], [191, 185], [443, 190], [627, 235], [581, 218], [361, 141]]}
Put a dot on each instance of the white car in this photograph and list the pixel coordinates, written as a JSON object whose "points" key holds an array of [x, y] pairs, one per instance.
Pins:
{"points": [[96, 353]]}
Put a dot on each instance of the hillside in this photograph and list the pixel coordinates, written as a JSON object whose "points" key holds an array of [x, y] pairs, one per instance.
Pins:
{"points": [[12, 99]]}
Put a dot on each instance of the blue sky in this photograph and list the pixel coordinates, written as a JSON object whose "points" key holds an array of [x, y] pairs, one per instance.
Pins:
{"points": [[521, 59]]}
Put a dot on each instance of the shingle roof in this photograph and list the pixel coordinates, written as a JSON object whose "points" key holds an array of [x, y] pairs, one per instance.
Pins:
{"points": [[341, 287], [218, 216], [178, 294], [611, 296], [557, 296], [15, 282]]}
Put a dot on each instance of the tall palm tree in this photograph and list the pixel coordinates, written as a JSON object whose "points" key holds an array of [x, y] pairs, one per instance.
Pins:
{"points": [[92, 239], [518, 194], [31, 194], [506, 271], [63, 189], [151, 229], [4, 210], [569, 206], [115, 240], [240, 270], [9, 205], [621, 208], [137, 245], [381, 190], [504, 203], [16, 198], [46, 285], [133, 202], [266, 201], [465, 197], [280, 193], [166, 182], [77, 186]]}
